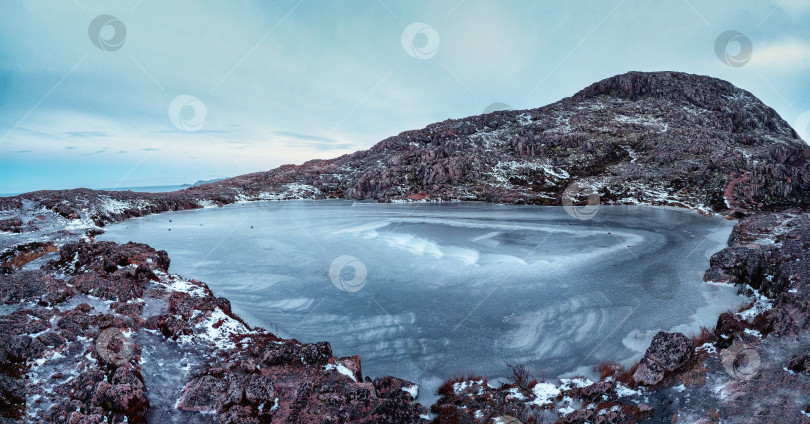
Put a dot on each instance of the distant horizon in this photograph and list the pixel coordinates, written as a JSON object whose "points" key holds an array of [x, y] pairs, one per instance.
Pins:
{"points": [[143, 93], [139, 188], [144, 188]]}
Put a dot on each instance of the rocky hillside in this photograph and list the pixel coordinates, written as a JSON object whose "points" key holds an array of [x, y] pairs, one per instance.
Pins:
{"points": [[653, 138], [662, 137]]}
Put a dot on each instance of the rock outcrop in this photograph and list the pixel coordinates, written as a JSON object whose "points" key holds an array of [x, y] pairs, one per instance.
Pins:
{"points": [[667, 353], [71, 351]]}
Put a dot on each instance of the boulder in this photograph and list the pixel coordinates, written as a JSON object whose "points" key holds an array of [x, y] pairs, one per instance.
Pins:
{"points": [[394, 388], [799, 363], [667, 352], [202, 394]]}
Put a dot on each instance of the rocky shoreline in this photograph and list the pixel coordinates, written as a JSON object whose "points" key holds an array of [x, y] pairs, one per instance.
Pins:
{"points": [[88, 334], [96, 332], [57, 305], [752, 367]]}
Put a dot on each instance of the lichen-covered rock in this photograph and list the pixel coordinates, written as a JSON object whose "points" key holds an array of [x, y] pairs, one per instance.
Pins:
{"points": [[597, 390], [33, 286], [392, 387], [729, 328], [287, 381], [667, 352], [12, 396], [11, 225], [768, 252], [203, 394], [83, 256], [799, 363]]}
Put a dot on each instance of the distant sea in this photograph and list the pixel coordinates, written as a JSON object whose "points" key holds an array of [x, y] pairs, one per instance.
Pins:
{"points": [[145, 189], [150, 189]]}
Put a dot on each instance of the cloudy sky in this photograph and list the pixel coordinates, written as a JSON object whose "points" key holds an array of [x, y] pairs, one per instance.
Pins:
{"points": [[141, 93]]}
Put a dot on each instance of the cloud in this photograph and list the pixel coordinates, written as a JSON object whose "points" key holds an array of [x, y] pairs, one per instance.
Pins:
{"points": [[87, 134], [238, 145], [315, 142], [324, 146], [790, 55], [794, 6], [309, 137]]}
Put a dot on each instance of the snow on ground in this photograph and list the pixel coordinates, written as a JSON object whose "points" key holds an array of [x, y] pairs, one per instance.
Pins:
{"points": [[109, 206], [645, 120], [343, 370], [524, 119], [545, 393], [502, 171], [760, 305], [461, 386], [176, 284], [219, 329], [412, 390], [769, 238]]}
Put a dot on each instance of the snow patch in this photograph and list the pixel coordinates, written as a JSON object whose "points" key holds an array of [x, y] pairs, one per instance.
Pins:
{"points": [[624, 391], [514, 393], [110, 206], [343, 370], [645, 120], [545, 393], [218, 329], [412, 390], [464, 385], [760, 305]]}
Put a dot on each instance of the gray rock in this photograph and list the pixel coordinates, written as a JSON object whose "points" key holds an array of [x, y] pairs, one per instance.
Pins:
{"points": [[667, 352]]}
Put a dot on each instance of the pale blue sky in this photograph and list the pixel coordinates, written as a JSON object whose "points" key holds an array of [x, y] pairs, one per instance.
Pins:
{"points": [[286, 81]]}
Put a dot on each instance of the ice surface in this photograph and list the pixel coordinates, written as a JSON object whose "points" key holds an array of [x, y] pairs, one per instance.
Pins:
{"points": [[456, 288]]}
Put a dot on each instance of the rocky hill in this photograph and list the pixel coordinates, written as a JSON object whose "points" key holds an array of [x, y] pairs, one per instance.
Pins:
{"points": [[651, 138], [647, 137]]}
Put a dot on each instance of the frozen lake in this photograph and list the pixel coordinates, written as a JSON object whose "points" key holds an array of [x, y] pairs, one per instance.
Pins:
{"points": [[429, 291]]}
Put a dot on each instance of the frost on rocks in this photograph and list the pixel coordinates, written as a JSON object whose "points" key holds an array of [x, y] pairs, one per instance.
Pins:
{"points": [[545, 393], [412, 390], [343, 370]]}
